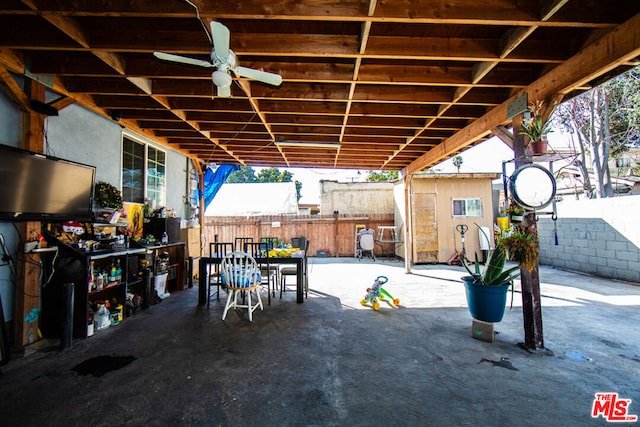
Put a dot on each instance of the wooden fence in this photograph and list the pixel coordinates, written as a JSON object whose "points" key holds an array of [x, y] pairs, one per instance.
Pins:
{"points": [[334, 234]]}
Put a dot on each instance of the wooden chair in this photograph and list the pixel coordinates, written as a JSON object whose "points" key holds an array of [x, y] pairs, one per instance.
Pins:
{"points": [[287, 270], [216, 250], [260, 252], [238, 242], [241, 274]]}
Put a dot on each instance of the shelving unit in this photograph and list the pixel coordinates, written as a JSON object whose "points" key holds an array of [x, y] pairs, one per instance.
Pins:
{"points": [[73, 264]]}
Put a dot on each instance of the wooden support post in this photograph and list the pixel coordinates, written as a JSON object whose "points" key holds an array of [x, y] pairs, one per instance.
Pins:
{"points": [[408, 225], [28, 274], [530, 280], [28, 289], [336, 241]]}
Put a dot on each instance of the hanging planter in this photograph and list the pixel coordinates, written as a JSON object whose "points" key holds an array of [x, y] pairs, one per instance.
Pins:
{"points": [[536, 128], [515, 218], [538, 147]]}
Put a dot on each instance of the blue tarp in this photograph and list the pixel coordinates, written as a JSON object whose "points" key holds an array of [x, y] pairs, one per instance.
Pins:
{"points": [[214, 180]]}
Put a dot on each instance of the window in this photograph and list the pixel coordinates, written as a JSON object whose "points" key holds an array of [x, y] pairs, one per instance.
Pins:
{"points": [[467, 207], [143, 164]]}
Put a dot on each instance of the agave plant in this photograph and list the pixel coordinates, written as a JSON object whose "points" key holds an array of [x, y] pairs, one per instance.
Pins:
{"points": [[493, 273]]}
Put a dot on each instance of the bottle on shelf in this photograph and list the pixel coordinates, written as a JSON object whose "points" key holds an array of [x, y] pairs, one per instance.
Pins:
{"points": [[165, 238], [118, 271], [99, 280], [112, 272], [91, 283]]}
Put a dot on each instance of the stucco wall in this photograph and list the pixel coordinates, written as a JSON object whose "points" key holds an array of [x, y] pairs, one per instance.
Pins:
{"points": [[356, 197], [600, 237], [80, 135], [10, 130], [83, 136]]}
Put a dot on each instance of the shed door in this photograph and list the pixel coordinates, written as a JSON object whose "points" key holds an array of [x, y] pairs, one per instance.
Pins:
{"points": [[425, 231]]}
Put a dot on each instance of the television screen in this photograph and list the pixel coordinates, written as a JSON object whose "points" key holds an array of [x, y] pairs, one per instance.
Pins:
{"points": [[38, 187]]}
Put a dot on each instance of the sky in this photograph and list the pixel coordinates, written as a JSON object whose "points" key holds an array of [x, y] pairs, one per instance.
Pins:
{"points": [[484, 157]]}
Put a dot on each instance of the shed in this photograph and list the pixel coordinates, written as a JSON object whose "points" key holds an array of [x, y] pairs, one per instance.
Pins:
{"points": [[438, 203]]}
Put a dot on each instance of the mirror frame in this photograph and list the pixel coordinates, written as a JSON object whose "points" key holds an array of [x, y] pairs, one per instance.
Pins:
{"points": [[522, 199]]}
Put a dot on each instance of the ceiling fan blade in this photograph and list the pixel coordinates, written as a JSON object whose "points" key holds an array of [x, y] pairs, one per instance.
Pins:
{"points": [[182, 59], [224, 91], [220, 35], [261, 76]]}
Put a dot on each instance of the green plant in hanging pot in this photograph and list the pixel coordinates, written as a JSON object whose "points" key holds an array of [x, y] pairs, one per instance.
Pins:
{"points": [[486, 288], [514, 211], [536, 128], [521, 246]]}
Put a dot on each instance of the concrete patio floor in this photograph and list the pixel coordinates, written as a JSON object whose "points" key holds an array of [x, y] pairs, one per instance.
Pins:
{"points": [[332, 362]]}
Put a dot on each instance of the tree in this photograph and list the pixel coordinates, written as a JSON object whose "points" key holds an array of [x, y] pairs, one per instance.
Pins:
{"points": [[247, 174], [244, 174], [274, 175], [457, 162], [381, 176], [606, 122]]}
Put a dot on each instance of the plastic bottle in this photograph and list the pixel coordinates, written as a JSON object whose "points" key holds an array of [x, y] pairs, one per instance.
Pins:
{"points": [[101, 318], [118, 272], [91, 284], [165, 238], [112, 273], [99, 281]]}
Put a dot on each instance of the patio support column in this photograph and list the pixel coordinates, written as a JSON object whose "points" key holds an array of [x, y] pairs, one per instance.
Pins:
{"points": [[28, 280], [530, 280], [408, 240]]}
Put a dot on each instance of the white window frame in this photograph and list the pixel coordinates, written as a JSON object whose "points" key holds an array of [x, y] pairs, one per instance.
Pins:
{"points": [[158, 196], [468, 210]]}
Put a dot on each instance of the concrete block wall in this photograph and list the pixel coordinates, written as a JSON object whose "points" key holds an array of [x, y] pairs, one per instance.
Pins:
{"points": [[600, 237]]}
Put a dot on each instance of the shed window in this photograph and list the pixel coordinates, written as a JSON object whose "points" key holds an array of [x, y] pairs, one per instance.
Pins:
{"points": [[467, 207], [143, 172]]}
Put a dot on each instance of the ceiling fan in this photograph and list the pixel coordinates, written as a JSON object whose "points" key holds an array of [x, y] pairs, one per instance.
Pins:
{"points": [[223, 60]]}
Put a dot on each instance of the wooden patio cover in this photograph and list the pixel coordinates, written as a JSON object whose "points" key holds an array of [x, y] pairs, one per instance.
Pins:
{"points": [[399, 85]]}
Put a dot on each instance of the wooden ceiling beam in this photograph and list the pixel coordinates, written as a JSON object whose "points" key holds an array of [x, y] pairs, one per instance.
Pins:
{"points": [[465, 13], [614, 48]]}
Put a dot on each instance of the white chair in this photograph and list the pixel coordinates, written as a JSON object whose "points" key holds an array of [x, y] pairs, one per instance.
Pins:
{"points": [[241, 274]]}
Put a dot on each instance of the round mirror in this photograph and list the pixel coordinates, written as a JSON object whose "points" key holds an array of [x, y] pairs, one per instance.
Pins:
{"points": [[533, 186]]}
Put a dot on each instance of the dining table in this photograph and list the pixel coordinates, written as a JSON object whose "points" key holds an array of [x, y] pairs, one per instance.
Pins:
{"points": [[299, 260]]}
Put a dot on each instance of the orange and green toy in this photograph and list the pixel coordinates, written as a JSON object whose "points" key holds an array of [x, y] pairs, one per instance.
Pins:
{"points": [[376, 292]]}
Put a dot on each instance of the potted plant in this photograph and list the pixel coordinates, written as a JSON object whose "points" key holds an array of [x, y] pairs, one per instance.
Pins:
{"points": [[514, 211], [521, 246], [536, 128], [486, 289]]}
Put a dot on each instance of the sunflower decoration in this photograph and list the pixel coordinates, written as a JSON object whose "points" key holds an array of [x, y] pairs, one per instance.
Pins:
{"points": [[108, 196]]}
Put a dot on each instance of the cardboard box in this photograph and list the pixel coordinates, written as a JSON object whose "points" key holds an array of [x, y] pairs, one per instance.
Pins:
{"points": [[482, 330], [191, 236]]}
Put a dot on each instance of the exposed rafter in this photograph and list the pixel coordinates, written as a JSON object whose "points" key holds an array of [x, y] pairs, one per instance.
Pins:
{"points": [[398, 85]]}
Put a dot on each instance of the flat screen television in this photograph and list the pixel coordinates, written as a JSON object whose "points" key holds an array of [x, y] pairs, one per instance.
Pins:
{"points": [[35, 187]]}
